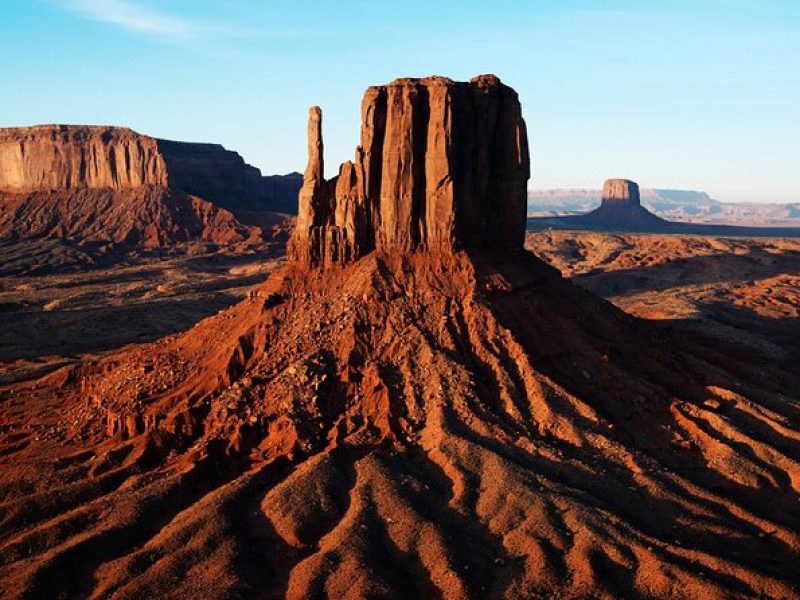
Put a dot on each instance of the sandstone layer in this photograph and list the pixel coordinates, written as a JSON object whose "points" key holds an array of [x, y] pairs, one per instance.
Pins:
{"points": [[620, 192], [67, 157], [441, 165], [46, 158]]}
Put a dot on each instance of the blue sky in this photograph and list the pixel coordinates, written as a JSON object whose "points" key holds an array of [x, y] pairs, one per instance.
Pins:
{"points": [[695, 94]]}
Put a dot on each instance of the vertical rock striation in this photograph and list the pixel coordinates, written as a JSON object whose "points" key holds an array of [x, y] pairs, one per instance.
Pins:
{"points": [[59, 158], [62, 157], [618, 192], [441, 164]]}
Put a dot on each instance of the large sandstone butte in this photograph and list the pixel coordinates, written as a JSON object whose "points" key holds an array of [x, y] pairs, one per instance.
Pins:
{"points": [[441, 165], [621, 210], [414, 421]]}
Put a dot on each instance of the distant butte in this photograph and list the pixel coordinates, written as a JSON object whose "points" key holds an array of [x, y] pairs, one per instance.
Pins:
{"points": [[620, 192], [621, 210]]}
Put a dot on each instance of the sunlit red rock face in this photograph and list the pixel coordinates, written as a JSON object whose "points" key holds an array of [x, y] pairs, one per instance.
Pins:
{"points": [[63, 158], [441, 165], [59, 157], [105, 192], [421, 421]]}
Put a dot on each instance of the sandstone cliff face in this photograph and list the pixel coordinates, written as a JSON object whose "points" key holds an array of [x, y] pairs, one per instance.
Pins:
{"points": [[70, 157], [441, 164], [58, 157], [109, 190], [618, 192]]}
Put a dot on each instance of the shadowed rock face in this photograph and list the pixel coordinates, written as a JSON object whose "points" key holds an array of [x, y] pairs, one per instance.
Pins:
{"points": [[441, 164], [71, 157], [619, 192]]}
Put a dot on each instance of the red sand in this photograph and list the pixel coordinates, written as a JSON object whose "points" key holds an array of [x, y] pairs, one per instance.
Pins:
{"points": [[422, 425]]}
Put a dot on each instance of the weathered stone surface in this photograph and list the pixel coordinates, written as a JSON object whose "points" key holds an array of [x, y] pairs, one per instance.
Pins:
{"points": [[309, 236], [70, 157], [441, 164], [620, 191], [59, 157]]}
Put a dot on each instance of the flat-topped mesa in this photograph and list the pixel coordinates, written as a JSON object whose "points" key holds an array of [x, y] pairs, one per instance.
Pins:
{"points": [[441, 165], [60, 158], [620, 192], [64, 157]]}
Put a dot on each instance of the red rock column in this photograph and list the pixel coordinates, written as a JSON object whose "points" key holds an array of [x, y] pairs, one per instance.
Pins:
{"points": [[304, 245]]}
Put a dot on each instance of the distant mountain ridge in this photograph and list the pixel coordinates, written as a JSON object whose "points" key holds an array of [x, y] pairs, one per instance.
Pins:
{"points": [[687, 206]]}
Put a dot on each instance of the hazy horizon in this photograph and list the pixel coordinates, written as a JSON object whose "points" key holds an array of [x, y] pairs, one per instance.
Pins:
{"points": [[696, 95]]}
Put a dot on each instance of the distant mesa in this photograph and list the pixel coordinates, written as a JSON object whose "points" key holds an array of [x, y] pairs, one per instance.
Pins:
{"points": [[687, 206], [621, 210], [621, 206], [441, 164]]}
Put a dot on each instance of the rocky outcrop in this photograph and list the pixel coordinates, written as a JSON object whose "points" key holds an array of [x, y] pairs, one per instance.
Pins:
{"points": [[105, 193], [68, 157], [620, 192], [411, 424], [441, 164], [621, 209], [147, 217], [60, 157]]}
